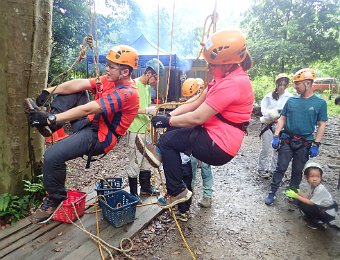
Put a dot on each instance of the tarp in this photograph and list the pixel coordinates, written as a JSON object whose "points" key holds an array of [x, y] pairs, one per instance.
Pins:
{"points": [[147, 50]]}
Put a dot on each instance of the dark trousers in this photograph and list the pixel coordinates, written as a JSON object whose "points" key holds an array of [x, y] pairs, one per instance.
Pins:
{"points": [[187, 179], [83, 141], [195, 141], [315, 213], [297, 151]]}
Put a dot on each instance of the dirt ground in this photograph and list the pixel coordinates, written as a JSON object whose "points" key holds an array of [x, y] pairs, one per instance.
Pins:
{"points": [[239, 225]]}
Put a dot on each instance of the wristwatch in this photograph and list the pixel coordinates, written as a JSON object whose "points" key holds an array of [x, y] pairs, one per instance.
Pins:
{"points": [[52, 119], [317, 144]]}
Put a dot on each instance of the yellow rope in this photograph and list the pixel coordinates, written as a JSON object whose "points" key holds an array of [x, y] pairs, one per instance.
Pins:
{"points": [[170, 60], [101, 242]]}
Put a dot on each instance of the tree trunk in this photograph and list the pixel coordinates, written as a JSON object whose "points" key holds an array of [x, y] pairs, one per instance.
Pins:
{"points": [[25, 44]]}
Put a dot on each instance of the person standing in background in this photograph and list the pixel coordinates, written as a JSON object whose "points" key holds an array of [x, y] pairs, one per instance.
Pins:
{"points": [[271, 106], [138, 165]]}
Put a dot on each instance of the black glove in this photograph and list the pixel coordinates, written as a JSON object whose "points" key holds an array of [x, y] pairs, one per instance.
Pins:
{"points": [[160, 121], [40, 100], [38, 118]]}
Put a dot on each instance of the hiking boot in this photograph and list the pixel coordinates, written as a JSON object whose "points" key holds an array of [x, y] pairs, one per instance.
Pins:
{"points": [[270, 198], [169, 201], [146, 188], [205, 202], [30, 105], [184, 217], [45, 211], [265, 174], [151, 152], [151, 192]]}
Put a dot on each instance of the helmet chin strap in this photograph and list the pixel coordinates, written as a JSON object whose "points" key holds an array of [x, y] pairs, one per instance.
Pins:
{"points": [[229, 68], [148, 80]]}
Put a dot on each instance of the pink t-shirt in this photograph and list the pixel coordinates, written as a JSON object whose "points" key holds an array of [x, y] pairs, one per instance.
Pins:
{"points": [[233, 97]]}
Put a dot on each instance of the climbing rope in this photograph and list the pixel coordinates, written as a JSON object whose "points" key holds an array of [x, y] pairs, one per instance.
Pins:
{"points": [[101, 243]]}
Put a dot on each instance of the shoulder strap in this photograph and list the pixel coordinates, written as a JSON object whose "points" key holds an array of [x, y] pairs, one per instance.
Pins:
{"points": [[112, 130]]}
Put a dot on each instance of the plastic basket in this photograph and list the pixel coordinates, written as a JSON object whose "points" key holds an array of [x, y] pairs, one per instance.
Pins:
{"points": [[73, 197], [109, 185], [119, 208]]}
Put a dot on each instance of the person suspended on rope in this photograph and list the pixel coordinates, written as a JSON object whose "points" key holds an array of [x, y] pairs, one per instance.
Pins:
{"points": [[139, 166], [271, 106], [97, 125], [212, 126]]}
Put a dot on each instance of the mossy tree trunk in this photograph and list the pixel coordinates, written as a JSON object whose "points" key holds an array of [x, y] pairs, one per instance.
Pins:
{"points": [[25, 44]]}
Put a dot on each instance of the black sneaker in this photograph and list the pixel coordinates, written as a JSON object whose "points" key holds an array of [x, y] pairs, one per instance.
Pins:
{"points": [[30, 105], [45, 211], [151, 192]]}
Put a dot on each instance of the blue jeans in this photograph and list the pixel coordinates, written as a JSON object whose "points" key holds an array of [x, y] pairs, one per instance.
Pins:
{"points": [[207, 178], [296, 151]]}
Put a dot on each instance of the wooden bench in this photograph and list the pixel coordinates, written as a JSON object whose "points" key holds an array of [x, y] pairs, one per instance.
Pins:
{"points": [[58, 240]]}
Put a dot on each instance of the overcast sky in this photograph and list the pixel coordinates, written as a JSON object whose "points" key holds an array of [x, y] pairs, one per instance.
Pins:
{"points": [[197, 11]]}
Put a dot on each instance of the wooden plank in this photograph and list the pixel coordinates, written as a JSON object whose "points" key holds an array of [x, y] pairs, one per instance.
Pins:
{"points": [[59, 241], [19, 235], [89, 247], [27, 239], [14, 228], [145, 215], [60, 237]]}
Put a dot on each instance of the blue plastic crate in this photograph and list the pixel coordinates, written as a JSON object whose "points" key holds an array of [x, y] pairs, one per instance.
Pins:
{"points": [[108, 186], [119, 208]]}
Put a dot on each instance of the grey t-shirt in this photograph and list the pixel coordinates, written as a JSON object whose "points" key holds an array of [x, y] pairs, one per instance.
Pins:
{"points": [[321, 197]]}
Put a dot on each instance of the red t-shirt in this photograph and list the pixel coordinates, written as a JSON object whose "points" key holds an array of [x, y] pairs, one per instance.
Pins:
{"points": [[119, 103], [233, 97]]}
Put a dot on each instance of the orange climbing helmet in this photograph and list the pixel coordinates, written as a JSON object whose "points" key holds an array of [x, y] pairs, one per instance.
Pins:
{"points": [[304, 74], [191, 86], [123, 54], [225, 47]]}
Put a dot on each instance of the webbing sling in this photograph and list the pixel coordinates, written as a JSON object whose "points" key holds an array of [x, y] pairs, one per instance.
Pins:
{"points": [[242, 126]]}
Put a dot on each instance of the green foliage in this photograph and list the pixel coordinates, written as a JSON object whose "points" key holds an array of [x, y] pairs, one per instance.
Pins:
{"points": [[13, 208], [332, 109], [287, 35], [70, 24], [35, 189], [261, 86], [328, 69]]}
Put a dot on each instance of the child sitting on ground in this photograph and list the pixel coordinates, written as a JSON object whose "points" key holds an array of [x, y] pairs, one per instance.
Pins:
{"points": [[316, 204]]}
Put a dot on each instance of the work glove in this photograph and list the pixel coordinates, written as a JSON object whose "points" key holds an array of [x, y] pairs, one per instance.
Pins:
{"points": [[40, 100], [38, 118], [291, 194], [276, 142], [314, 150], [151, 110], [161, 121]]}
